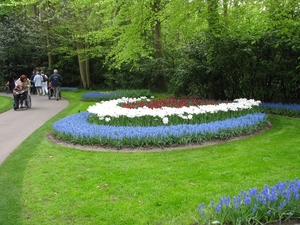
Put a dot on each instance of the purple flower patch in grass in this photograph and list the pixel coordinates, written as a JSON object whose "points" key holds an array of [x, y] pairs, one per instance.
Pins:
{"points": [[276, 203]]}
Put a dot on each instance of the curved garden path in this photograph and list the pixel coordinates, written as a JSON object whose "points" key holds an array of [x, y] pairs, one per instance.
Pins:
{"points": [[16, 126]]}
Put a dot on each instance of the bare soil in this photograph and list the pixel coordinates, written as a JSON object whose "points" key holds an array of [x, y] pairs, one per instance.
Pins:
{"points": [[289, 222]]}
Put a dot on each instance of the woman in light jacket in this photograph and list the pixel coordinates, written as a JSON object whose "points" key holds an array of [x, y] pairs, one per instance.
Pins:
{"points": [[38, 80]]}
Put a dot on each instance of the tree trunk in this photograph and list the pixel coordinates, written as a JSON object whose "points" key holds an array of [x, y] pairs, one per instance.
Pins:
{"points": [[225, 7], [156, 7], [216, 78], [213, 17], [50, 60], [84, 67], [87, 73]]}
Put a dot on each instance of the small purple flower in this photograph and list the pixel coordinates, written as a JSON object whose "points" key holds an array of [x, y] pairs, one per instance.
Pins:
{"points": [[218, 209], [254, 208], [200, 207], [252, 192], [247, 201], [237, 206], [282, 205], [202, 213]]}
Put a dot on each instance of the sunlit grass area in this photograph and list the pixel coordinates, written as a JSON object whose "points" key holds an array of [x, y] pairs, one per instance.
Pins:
{"points": [[45, 183]]}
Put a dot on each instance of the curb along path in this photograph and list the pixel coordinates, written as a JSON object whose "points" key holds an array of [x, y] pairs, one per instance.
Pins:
{"points": [[31, 119]]}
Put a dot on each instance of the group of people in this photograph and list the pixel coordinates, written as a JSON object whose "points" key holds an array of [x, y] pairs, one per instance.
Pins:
{"points": [[39, 82]]}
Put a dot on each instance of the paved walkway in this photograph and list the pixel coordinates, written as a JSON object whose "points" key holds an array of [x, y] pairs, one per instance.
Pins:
{"points": [[41, 111]]}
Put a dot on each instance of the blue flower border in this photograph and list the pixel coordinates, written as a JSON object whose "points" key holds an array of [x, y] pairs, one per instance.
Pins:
{"points": [[78, 127]]}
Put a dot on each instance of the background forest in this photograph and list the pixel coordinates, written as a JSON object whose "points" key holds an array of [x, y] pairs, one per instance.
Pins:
{"points": [[222, 49]]}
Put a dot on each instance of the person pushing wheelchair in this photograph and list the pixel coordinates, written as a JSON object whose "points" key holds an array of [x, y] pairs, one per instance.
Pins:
{"points": [[20, 91]]}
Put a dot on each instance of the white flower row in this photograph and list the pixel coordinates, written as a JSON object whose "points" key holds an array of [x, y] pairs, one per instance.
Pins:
{"points": [[112, 109]]}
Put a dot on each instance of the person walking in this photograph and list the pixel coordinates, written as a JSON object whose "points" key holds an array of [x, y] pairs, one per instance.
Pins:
{"points": [[38, 80], [55, 82], [44, 83], [32, 87], [11, 81]]}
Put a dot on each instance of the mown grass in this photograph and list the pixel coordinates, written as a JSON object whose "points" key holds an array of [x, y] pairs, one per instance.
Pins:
{"points": [[44, 183], [5, 103]]}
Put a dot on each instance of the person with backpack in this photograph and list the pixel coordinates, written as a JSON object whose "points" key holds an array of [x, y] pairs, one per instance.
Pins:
{"points": [[38, 80], [44, 83], [55, 82]]}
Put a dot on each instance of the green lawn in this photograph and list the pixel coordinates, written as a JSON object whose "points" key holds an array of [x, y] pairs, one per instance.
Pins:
{"points": [[43, 183], [5, 103]]}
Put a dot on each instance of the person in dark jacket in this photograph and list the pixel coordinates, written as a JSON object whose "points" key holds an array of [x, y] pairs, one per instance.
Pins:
{"points": [[32, 87], [55, 82], [11, 81]]}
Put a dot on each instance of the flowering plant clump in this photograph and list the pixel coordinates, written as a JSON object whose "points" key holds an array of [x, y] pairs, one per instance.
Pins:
{"points": [[99, 96], [77, 128], [170, 102], [277, 203], [291, 110], [74, 89], [124, 112]]}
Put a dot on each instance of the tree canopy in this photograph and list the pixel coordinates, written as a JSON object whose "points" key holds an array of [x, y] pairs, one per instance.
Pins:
{"points": [[153, 43]]}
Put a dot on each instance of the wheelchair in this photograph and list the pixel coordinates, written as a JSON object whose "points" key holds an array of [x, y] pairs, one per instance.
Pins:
{"points": [[7, 89], [52, 94], [23, 97]]}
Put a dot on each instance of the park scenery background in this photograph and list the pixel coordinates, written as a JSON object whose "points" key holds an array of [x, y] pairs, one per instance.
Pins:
{"points": [[251, 180], [136, 74], [206, 49]]}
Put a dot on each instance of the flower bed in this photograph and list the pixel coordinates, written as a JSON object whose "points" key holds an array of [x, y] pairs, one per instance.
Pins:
{"points": [[277, 203], [144, 112], [99, 96], [74, 89], [174, 131], [291, 110]]}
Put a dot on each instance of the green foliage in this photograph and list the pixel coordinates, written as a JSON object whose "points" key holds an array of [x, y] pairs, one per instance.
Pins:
{"points": [[239, 45], [21, 44], [263, 68], [133, 93]]}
